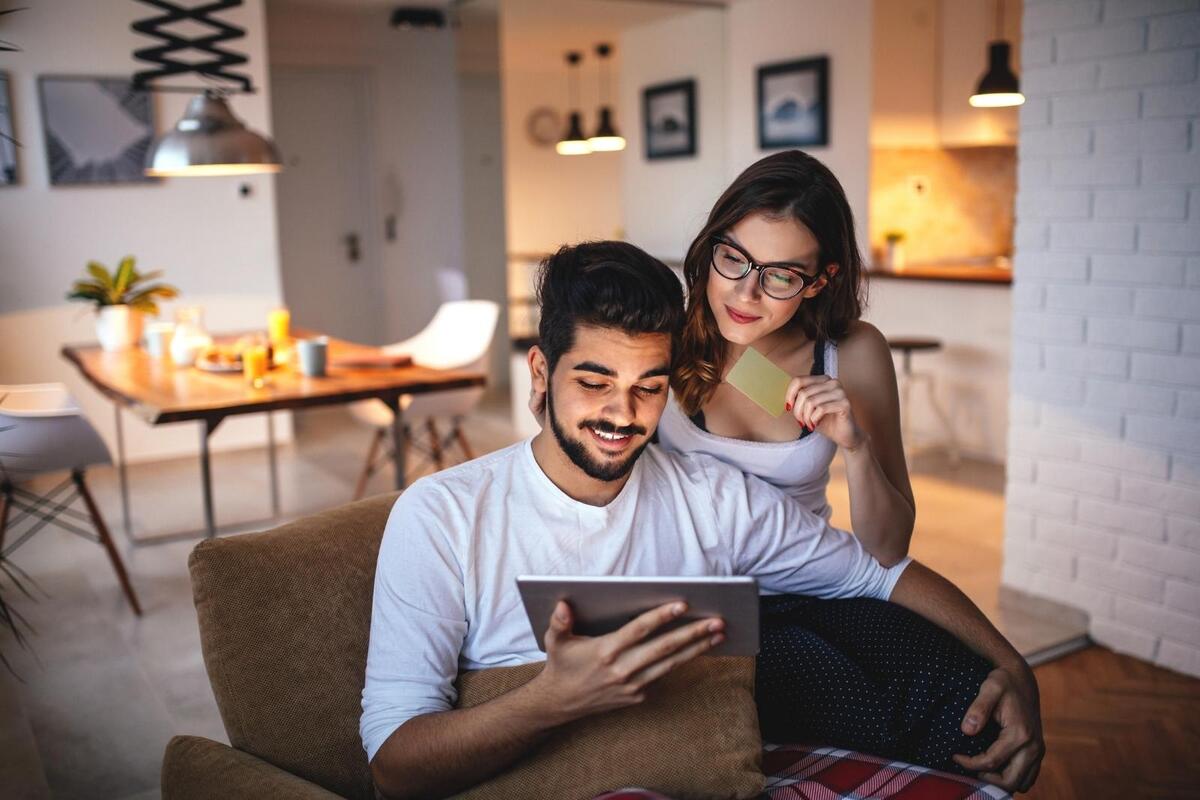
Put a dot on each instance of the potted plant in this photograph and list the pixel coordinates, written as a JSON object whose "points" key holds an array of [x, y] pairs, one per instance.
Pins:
{"points": [[894, 257], [121, 298]]}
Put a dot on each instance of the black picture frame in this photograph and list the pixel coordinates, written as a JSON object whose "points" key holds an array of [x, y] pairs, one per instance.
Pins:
{"points": [[97, 129], [9, 172], [792, 107], [669, 120]]}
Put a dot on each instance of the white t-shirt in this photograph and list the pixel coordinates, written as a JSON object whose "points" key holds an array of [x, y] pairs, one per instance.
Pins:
{"points": [[445, 584]]}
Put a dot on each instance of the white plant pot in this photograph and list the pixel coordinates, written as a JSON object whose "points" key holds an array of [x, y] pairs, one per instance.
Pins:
{"points": [[118, 327]]}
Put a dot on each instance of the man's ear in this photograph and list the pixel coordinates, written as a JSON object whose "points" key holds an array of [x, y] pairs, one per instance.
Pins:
{"points": [[539, 369]]}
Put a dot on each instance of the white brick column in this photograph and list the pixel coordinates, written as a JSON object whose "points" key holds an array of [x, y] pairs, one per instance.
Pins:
{"points": [[1103, 496]]}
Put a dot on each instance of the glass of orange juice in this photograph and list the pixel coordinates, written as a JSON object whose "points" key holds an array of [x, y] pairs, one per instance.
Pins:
{"points": [[255, 364], [279, 323]]}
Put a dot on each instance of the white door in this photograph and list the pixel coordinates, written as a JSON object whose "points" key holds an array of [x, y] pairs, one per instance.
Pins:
{"points": [[327, 233]]}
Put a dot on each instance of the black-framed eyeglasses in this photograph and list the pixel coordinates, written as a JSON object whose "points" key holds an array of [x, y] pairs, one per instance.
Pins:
{"points": [[780, 280]]}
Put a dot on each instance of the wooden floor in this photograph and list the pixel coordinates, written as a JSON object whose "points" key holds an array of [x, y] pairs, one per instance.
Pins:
{"points": [[1117, 727]]}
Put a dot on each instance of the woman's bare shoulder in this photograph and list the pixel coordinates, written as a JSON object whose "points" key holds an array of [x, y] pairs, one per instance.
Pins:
{"points": [[864, 355]]}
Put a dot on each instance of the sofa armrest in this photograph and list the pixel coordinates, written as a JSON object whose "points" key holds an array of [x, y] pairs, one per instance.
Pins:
{"points": [[195, 768]]}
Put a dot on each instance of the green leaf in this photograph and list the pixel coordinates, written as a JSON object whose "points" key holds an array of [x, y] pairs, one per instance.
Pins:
{"points": [[125, 272], [145, 304], [97, 271], [155, 290]]}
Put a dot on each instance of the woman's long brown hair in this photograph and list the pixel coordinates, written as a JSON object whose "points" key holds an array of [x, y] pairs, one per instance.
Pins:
{"points": [[787, 185]]}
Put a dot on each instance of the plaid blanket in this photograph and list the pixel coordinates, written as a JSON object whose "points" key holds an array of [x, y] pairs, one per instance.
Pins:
{"points": [[800, 772]]}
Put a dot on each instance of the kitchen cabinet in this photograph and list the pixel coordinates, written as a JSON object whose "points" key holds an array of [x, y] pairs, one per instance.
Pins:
{"points": [[928, 58]]}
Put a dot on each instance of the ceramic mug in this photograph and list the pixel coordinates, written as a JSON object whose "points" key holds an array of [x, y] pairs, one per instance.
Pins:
{"points": [[313, 354]]}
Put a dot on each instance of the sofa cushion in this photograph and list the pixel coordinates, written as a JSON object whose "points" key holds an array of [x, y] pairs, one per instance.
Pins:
{"points": [[695, 736], [285, 618]]}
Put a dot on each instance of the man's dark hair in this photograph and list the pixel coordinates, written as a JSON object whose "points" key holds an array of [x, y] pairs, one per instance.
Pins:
{"points": [[610, 285]]}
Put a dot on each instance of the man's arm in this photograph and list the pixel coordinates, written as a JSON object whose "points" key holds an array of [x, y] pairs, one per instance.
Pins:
{"points": [[1010, 692], [437, 754], [434, 755]]}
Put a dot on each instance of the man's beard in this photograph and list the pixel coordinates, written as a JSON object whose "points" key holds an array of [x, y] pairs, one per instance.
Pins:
{"points": [[577, 451]]}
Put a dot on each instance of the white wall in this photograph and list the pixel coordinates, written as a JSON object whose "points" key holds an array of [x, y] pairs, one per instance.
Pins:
{"points": [[220, 249], [970, 372], [768, 31], [1103, 499], [666, 202], [481, 114], [550, 199], [414, 142]]}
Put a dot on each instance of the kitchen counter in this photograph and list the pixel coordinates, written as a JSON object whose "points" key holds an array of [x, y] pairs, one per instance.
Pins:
{"points": [[949, 273]]}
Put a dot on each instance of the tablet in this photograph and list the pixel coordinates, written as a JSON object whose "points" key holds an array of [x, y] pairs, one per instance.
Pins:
{"points": [[603, 604]]}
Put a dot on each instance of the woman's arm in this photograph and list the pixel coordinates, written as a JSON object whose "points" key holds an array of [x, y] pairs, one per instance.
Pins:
{"points": [[860, 411]]}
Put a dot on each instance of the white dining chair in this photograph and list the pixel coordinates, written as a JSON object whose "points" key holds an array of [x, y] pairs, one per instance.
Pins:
{"points": [[458, 337], [43, 431]]}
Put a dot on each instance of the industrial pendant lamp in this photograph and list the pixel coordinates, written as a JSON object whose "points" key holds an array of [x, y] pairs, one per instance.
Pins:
{"points": [[209, 139], [606, 138], [999, 86], [573, 143]]}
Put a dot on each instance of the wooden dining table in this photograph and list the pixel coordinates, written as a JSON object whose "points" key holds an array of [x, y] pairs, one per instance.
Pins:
{"points": [[159, 393]]}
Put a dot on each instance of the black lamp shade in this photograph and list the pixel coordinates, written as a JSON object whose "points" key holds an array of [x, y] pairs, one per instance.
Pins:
{"points": [[574, 142], [999, 85], [606, 137]]}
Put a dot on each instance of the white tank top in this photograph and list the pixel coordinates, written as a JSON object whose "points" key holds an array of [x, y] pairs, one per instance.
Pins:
{"points": [[800, 468]]}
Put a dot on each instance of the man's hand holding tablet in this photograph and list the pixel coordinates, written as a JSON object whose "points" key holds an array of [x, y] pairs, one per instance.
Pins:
{"points": [[610, 668]]}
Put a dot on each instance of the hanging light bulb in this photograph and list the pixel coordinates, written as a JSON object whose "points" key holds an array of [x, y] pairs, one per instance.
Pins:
{"points": [[210, 140], [573, 143], [606, 138], [999, 87]]}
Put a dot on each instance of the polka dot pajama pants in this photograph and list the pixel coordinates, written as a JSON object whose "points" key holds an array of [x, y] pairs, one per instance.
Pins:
{"points": [[866, 675]]}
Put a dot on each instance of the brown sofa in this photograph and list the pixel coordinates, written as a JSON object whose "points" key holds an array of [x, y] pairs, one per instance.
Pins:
{"points": [[287, 674]]}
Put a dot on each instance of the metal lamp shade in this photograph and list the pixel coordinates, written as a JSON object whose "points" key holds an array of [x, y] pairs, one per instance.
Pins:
{"points": [[574, 143], [999, 86], [210, 140]]}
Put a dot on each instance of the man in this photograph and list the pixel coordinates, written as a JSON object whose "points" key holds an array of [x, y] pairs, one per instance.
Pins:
{"points": [[588, 496]]}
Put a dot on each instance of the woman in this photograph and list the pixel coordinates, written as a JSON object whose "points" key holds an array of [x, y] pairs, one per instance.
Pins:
{"points": [[777, 268]]}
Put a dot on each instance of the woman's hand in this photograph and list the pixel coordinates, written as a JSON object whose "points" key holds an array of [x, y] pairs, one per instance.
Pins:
{"points": [[819, 403]]}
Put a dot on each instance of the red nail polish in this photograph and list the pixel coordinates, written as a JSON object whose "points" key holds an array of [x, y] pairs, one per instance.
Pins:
{"points": [[788, 406]]}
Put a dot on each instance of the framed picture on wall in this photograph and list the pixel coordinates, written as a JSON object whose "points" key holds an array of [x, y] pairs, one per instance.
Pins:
{"points": [[669, 119], [97, 129], [793, 104], [8, 141]]}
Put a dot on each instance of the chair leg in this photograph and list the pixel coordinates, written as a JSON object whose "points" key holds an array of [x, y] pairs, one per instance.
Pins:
{"points": [[5, 504], [462, 440], [369, 468], [436, 444], [106, 541]]}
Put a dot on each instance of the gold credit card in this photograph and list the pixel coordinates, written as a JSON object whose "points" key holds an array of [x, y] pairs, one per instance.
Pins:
{"points": [[760, 380]]}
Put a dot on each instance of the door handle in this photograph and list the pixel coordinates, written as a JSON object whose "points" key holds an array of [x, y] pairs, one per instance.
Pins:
{"points": [[352, 246]]}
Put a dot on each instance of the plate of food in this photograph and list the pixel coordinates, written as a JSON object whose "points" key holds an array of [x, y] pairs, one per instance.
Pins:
{"points": [[219, 358], [224, 357]]}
